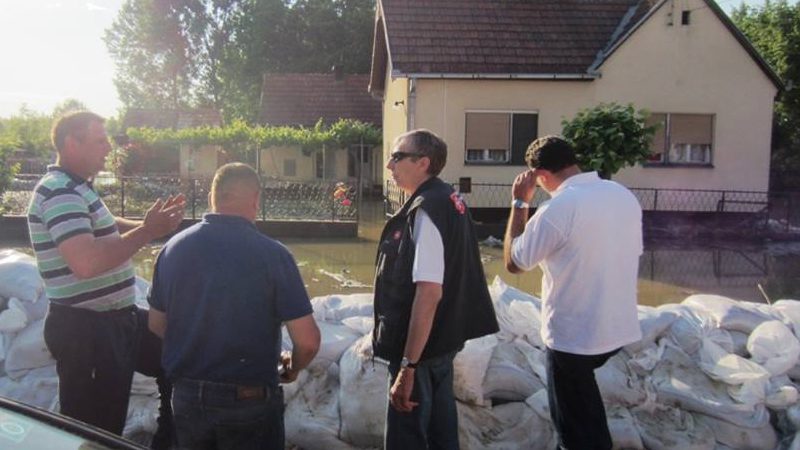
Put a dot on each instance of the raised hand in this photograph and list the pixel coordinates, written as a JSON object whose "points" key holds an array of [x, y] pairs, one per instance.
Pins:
{"points": [[164, 216]]}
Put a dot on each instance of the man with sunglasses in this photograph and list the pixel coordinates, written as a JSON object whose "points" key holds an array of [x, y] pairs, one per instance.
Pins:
{"points": [[430, 296], [587, 240]]}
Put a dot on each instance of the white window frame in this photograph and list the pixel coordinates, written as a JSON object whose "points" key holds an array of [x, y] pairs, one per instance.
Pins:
{"points": [[687, 149], [487, 152]]}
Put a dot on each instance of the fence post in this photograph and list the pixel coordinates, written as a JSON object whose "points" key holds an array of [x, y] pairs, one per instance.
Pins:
{"points": [[333, 206], [194, 198], [655, 200], [122, 196]]}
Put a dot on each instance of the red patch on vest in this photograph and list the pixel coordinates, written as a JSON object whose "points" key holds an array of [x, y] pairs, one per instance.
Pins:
{"points": [[458, 202], [397, 235]]}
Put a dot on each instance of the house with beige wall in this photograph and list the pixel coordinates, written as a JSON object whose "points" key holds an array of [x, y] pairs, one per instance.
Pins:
{"points": [[303, 99], [490, 76]]}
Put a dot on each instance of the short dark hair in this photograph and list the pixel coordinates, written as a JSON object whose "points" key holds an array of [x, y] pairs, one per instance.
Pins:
{"points": [[426, 143], [73, 124], [233, 174], [551, 153]]}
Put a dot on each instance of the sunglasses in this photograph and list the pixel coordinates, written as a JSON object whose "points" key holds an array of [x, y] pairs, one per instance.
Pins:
{"points": [[396, 157]]}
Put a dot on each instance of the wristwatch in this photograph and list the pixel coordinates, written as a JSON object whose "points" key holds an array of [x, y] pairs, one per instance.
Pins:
{"points": [[519, 204], [405, 362]]}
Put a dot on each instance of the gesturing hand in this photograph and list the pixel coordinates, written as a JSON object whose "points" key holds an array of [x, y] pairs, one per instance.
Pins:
{"points": [[164, 216]]}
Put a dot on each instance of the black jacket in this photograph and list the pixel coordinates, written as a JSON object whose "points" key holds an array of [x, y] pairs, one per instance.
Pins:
{"points": [[465, 310]]}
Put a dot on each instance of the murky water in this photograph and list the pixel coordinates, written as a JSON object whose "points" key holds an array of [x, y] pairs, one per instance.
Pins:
{"points": [[668, 272]]}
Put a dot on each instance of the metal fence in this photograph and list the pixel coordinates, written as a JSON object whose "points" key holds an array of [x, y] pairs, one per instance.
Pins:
{"points": [[280, 200], [780, 209]]}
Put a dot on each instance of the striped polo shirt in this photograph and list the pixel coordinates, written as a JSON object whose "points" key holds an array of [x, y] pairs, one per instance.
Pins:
{"points": [[63, 206]]}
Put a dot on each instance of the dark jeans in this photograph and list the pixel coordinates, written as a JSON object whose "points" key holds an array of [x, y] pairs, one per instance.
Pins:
{"points": [[95, 355], [576, 406], [148, 362], [433, 424], [212, 415]]}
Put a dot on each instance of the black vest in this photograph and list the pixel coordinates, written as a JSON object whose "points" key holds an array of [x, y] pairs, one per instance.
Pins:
{"points": [[465, 310]]}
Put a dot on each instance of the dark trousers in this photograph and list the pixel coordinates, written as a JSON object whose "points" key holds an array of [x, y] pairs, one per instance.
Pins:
{"points": [[95, 355], [148, 362], [211, 416], [576, 406], [433, 423]]}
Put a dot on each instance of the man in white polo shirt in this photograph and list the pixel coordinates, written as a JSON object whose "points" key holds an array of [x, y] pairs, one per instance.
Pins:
{"points": [[587, 240]]}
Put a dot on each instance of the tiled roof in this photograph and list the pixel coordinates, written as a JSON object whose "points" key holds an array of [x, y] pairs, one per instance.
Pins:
{"points": [[304, 98], [500, 36], [510, 38], [170, 118]]}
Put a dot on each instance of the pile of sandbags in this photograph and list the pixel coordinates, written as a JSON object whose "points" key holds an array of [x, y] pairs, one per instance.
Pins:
{"points": [[709, 373], [27, 370]]}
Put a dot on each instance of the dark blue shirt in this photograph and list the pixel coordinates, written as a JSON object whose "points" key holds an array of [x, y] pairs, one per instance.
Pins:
{"points": [[226, 288]]}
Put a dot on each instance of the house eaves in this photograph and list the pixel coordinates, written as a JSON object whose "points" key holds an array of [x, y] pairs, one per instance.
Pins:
{"points": [[498, 76], [712, 5]]}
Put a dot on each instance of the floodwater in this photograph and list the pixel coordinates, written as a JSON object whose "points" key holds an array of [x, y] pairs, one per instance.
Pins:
{"points": [[668, 271]]}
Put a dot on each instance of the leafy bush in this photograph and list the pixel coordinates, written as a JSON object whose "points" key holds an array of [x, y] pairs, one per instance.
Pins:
{"points": [[7, 171], [608, 137]]}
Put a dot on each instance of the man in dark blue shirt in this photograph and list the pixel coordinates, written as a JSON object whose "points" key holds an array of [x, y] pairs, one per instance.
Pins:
{"points": [[220, 292]]}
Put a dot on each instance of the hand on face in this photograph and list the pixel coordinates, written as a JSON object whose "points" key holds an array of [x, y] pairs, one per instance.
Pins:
{"points": [[164, 216], [524, 186]]}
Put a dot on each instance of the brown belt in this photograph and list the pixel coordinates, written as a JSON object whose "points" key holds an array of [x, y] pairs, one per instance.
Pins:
{"points": [[250, 392]]}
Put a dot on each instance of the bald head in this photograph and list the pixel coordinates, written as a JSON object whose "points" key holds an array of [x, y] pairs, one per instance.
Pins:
{"points": [[235, 190]]}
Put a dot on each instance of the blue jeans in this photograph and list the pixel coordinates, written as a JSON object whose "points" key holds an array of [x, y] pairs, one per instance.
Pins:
{"points": [[212, 415], [433, 424]]}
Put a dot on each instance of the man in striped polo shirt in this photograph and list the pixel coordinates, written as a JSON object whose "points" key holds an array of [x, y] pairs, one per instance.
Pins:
{"points": [[84, 256]]}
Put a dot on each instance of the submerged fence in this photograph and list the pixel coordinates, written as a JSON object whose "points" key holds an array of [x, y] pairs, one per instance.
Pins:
{"points": [[333, 201], [780, 209]]}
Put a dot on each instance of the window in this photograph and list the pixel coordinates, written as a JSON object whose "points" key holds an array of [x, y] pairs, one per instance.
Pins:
{"points": [[499, 137], [682, 139], [289, 167]]}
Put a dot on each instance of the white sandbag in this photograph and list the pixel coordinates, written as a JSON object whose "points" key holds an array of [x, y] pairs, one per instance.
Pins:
{"points": [[28, 351], [789, 311], [737, 437], [312, 416], [509, 426], [622, 426], [731, 314], [773, 345], [728, 367], [739, 340], [781, 393], [469, 368], [141, 291], [509, 377], [691, 329], [14, 318], [334, 340], [363, 395], [142, 419], [334, 308], [38, 308], [669, 428], [540, 404], [37, 387], [518, 313], [654, 322], [617, 386], [645, 360], [360, 324], [19, 276], [680, 383]]}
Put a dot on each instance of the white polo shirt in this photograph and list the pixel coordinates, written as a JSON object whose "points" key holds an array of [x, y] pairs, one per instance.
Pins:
{"points": [[587, 240]]}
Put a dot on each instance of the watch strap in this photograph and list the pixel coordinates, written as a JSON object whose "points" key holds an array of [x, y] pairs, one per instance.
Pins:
{"points": [[519, 204]]}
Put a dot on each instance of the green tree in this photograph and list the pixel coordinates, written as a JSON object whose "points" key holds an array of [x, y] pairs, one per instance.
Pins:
{"points": [[179, 53], [67, 106], [27, 130], [7, 171], [608, 137], [154, 61], [774, 29]]}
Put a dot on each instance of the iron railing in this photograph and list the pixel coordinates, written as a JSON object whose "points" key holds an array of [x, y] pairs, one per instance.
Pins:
{"points": [[280, 200]]}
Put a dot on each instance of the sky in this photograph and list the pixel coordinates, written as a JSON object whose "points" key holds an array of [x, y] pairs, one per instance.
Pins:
{"points": [[52, 50]]}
